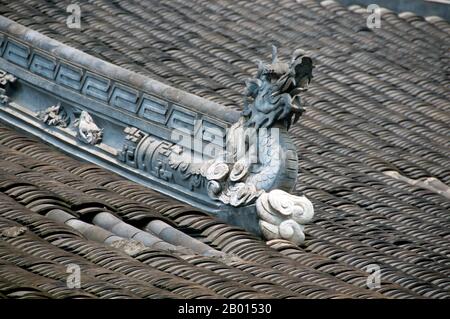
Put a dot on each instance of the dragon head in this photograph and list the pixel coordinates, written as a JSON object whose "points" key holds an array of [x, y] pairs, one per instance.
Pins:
{"points": [[273, 96]]}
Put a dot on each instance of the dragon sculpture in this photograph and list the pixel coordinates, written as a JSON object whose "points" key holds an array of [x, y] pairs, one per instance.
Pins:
{"points": [[268, 169]]}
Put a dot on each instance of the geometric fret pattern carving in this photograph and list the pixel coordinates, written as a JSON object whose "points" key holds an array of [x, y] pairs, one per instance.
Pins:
{"points": [[117, 95]]}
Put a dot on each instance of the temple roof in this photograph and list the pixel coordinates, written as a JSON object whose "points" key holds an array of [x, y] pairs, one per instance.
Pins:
{"points": [[373, 144]]}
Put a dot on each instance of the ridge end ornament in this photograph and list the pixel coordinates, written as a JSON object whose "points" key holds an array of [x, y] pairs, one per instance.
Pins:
{"points": [[271, 105]]}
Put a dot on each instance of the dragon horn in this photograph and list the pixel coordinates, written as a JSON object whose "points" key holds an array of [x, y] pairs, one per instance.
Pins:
{"points": [[274, 54]]}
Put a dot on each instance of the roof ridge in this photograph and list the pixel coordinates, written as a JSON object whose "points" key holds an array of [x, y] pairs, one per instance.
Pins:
{"points": [[115, 72]]}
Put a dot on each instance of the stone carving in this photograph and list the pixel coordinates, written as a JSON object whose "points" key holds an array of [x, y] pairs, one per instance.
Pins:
{"points": [[226, 182], [273, 95], [184, 167], [6, 80], [88, 132], [283, 215], [239, 176], [132, 139], [55, 115], [169, 162], [231, 179]]}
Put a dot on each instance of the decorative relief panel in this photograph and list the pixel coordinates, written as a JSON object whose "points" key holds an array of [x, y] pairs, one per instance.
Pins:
{"points": [[17, 53], [124, 98], [132, 138], [88, 83], [212, 132], [96, 87], [154, 109], [171, 163], [43, 65], [70, 76], [182, 119]]}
